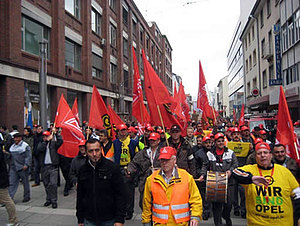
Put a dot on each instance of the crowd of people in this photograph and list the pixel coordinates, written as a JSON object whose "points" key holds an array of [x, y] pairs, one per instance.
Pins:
{"points": [[172, 173]]}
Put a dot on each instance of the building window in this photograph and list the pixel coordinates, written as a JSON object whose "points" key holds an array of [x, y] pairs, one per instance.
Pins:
{"points": [[125, 47], [254, 57], [113, 35], [268, 7], [73, 7], [291, 37], [33, 33], [245, 42], [284, 37], [73, 54], [96, 66], [126, 79], [250, 62], [113, 73], [270, 40], [134, 28], [96, 22], [141, 35], [265, 80], [113, 4], [263, 47], [271, 72], [255, 83], [297, 25], [262, 18], [125, 16], [249, 39], [253, 34], [247, 66]]}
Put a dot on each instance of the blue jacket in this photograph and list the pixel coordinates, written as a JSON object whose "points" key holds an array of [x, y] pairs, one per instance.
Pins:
{"points": [[20, 155]]}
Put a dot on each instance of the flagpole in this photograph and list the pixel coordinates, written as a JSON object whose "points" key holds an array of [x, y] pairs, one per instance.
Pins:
{"points": [[296, 150], [143, 124], [87, 135], [162, 123]]}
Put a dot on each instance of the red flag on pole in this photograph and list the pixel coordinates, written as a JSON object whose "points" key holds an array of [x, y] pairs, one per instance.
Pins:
{"points": [[285, 129], [202, 100], [75, 110], [139, 111], [184, 104], [158, 95], [242, 116], [99, 115], [175, 91], [71, 131]]}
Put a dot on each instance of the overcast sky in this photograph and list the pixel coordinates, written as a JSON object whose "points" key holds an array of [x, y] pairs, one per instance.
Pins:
{"points": [[197, 30]]}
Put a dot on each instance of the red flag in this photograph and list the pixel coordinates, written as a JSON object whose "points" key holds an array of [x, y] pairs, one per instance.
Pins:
{"points": [[99, 115], [71, 131], [65, 118], [139, 111], [285, 129], [184, 104], [75, 110], [202, 100], [162, 95], [234, 115], [175, 91], [156, 98], [242, 116], [178, 111], [115, 119]]}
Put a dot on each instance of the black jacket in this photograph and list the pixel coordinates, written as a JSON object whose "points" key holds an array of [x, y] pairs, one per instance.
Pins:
{"points": [[76, 164], [201, 161], [101, 193], [3, 171], [54, 145], [185, 158]]}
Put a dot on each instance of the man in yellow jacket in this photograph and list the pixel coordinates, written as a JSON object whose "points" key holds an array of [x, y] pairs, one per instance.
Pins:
{"points": [[171, 196]]}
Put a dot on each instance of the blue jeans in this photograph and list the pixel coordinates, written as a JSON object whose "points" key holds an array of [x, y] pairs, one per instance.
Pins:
{"points": [[101, 223]]}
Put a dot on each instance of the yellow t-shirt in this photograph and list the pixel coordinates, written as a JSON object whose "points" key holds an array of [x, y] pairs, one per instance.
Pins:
{"points": [[278, 211]]}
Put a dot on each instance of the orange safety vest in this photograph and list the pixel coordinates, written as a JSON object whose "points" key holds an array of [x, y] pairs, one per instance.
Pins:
{"points": [[109, 155], [179, 203]]}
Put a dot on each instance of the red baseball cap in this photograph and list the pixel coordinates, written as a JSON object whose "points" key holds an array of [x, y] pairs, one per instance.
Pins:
{"points": [[296, 123], [81, 143], [219, 135], [262, 132], [261, 126], [205, 138], [46, 133], [121, 127], [149, 128], [167, 152], [132, 129], [258, 140], [211, 135], [245, 128], [262, 145], [154, 136], [235, 129]]}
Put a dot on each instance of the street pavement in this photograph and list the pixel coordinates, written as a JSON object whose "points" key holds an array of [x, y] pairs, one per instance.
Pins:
{"points": [[33, 213]]}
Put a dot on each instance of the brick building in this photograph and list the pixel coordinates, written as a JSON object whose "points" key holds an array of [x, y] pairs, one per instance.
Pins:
{"points": [[89, 42]]}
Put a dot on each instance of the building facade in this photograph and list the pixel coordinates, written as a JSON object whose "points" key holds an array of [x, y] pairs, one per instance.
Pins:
{"points": [[88, 43], [235, 61], [290, 45], [222, 97], [271, 45]]}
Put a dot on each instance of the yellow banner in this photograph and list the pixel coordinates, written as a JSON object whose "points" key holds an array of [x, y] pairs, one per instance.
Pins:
{"points": [[241, 149]]}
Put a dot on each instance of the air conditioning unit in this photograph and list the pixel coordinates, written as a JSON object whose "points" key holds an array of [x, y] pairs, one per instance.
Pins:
{"points": [[103, 41], [267, 53]]}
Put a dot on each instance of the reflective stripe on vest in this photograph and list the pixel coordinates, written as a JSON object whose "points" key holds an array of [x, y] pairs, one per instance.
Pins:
{"points": [[181, 215], [161, 216], [178, 206]]}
